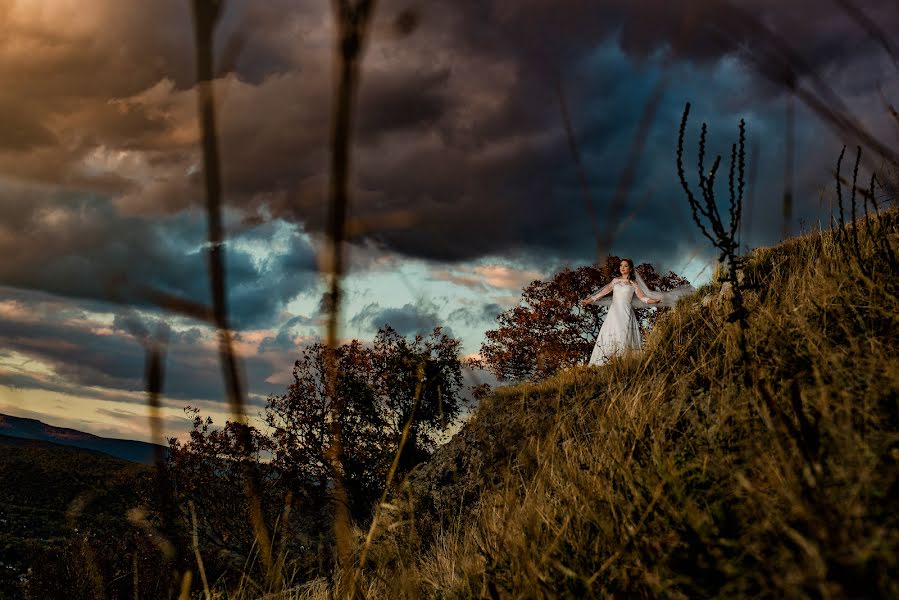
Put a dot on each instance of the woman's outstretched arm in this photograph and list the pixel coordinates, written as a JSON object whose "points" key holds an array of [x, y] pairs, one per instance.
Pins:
{"points": [[603, 292], [643, 296]]}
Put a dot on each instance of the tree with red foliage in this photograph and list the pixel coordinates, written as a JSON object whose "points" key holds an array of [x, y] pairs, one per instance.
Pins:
{"points": [[301, 433], [550, 330], [381, 387], [209, 470]]}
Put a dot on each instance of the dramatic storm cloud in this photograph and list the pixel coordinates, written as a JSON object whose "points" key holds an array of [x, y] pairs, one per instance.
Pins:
{"points": [[464, 186]]}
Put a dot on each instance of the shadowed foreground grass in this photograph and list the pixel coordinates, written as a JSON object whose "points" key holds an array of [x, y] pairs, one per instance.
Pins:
{"points": [[690, 471]]}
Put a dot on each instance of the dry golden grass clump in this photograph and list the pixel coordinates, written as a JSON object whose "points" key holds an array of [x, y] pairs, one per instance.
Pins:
{"points": [[694, 470]]}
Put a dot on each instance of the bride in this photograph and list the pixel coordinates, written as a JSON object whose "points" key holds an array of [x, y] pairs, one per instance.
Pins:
{"points": [[620, 330]]}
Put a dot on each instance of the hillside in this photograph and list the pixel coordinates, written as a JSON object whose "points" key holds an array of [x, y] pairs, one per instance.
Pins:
{"points": [[692, 471], [32, 429], [51, 495]]}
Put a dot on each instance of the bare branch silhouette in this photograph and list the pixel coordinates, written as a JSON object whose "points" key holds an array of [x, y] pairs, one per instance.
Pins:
{"points": [[722, 237], [846, 234]]}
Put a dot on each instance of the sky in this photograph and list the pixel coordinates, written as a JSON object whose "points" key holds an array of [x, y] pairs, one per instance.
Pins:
{"points": [[462, 168]]}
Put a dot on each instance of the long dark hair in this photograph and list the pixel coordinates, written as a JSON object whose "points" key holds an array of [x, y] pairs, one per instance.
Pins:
{"points": [[630, 275]]}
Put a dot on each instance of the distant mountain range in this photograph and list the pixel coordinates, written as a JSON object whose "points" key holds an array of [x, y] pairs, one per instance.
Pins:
{"points": [[32, 429]]}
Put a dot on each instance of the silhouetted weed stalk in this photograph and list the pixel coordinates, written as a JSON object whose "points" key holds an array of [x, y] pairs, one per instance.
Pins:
{"points": [[723, 236], [852, 236]]}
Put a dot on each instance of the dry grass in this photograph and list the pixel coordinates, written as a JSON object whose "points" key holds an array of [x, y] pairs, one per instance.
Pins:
{"points": [[687, 472]]}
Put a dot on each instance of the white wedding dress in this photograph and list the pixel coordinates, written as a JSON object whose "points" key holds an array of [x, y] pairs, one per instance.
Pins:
{"points": [[620, 331]]}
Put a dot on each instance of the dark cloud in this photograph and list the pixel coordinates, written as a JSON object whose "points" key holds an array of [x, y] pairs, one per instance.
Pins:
{"points": [[400, 101], [25, 131], [480, 316], [146, 330], [285, 340], [29, 382], [82, 247], [409, 319], [490, 311], [116, 413], [459, 124], [78, 245], [700, 30], [85, 355]]}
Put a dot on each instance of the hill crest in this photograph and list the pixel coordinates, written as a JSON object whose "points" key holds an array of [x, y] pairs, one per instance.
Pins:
{"points": [[33, 429]]}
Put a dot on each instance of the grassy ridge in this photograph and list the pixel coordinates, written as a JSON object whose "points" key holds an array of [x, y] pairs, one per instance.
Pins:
{"points": [[690, 471]]}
